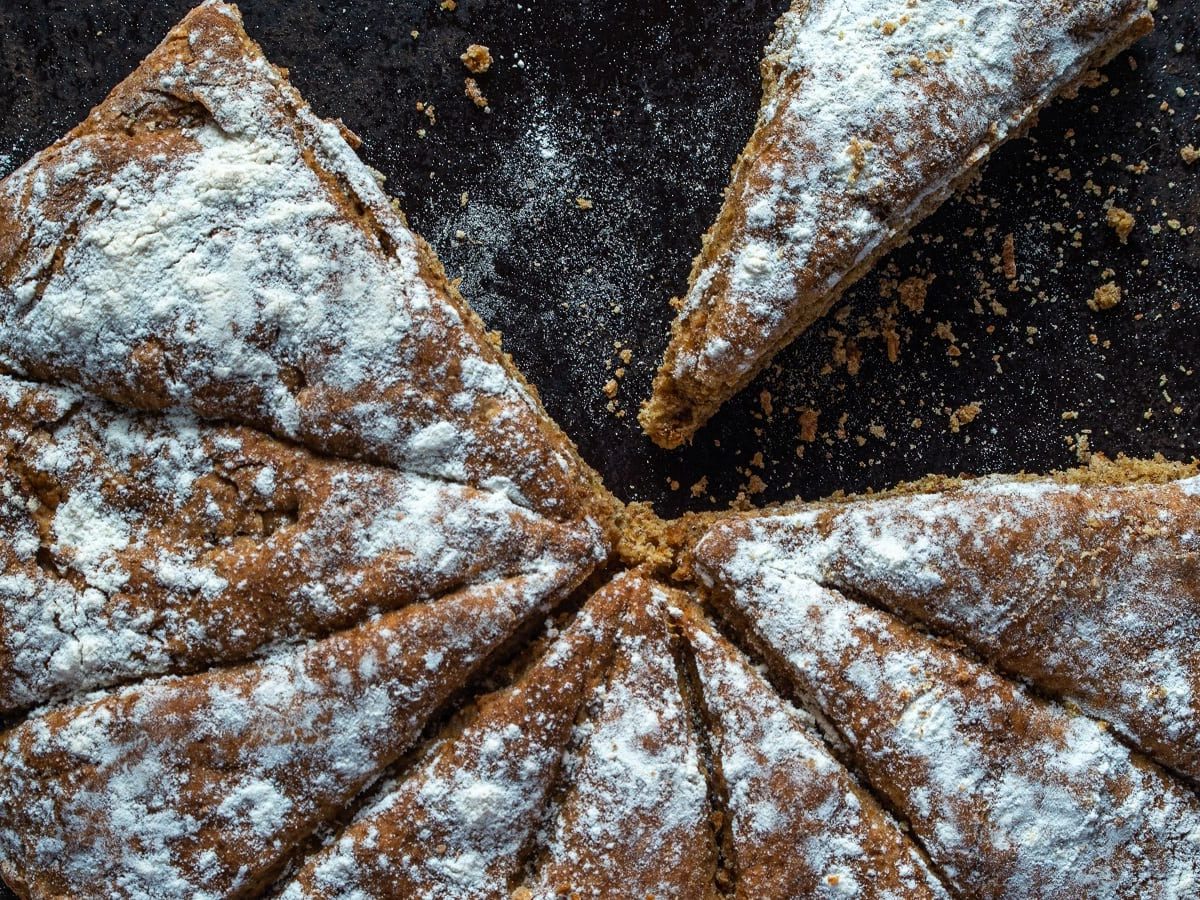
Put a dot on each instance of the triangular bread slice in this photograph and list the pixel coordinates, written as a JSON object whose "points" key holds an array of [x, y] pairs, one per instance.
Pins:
{"points": [[800, 825], [1009, 795], [634, 818], [203, 241], [462, 824], [1086, 584], [874, 112], [203, 786], [136, 544]]}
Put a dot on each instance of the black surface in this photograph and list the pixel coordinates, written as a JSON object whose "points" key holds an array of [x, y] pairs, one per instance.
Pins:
{"points": [[641, 107]]}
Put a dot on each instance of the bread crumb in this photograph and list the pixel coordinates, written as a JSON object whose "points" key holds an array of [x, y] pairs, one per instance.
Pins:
{"points": [[964, 416], [1106, 296], [808, 425], [449, 5], [946, 333], [857, 151], [477, 59], [583, 203], [610, 388], [476, 95], [698, 489], [1190, 154], [913, 290], [767, 403], [1083, 449], [1121, 221], [1008, 254]]}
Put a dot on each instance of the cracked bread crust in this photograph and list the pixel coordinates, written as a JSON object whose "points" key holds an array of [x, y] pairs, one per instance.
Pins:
{"points": [[463, 823], [1010, 795], [1084, 583], [801, 826], [636, 790], [136, 544], [203, 241], [873, 114], [204, 786]]}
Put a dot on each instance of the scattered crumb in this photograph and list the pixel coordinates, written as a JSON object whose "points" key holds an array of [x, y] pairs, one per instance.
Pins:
{"points": [[946, 333], [1121, 221], [1190, 154], [698, 489], [1083, 449], [1009, 254], [857, 151], [766, 401], [475, 94], [1106, 296], [964, 416], [1092, 78], [449, 5], [610, 388], [808, 425], [583, 203], [913, 290], [477, 59]]}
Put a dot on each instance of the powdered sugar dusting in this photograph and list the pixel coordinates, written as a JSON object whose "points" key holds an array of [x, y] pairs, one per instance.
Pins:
{"points": [[800, 823], [251, 268], [201, 786], [1090, 591], [872, 110], [1002, 789], [137, 544], [460, 823], [637, 790]]}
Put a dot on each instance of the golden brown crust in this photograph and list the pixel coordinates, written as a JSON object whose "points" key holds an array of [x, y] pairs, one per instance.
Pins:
{"points": [[462, 824], [1084, 584], [825, 189], [135, 544], [799, 823], [205, 102], [204, 786], [1009, 795], [637, 792]]}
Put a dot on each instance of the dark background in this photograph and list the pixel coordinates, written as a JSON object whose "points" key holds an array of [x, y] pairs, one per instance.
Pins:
{"points": [[641, 107]]}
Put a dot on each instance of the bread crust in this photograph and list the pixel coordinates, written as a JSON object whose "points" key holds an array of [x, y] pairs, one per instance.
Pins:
{"points": [[872, 116]]}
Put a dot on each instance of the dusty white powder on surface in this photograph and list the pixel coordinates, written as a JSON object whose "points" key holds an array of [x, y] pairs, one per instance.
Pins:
{"points": [[838, 174], [1118, 630], [1062, 804]]}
